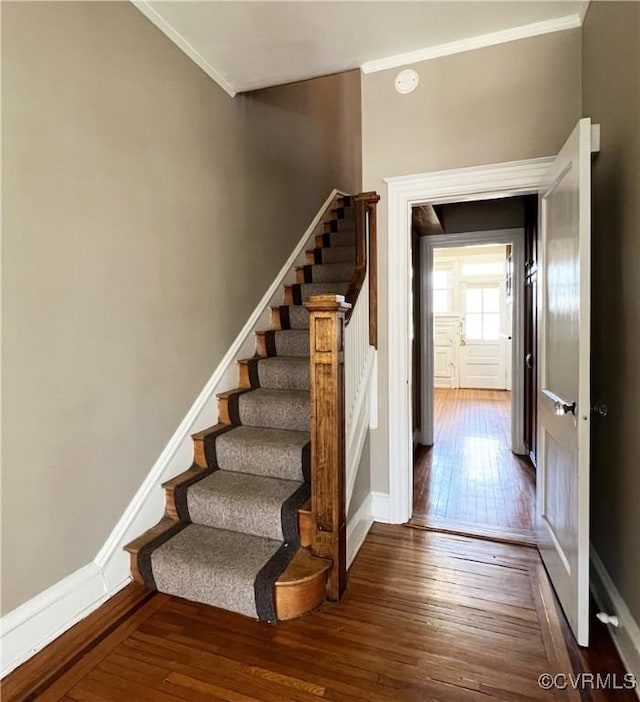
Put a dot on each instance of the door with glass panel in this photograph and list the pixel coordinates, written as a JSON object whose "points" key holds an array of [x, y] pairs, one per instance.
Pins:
{"points": [[482, 355]]}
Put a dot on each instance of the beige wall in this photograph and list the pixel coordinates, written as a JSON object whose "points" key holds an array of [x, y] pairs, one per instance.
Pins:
{"points": [[513, 101], [611, 96], [145, 214]]}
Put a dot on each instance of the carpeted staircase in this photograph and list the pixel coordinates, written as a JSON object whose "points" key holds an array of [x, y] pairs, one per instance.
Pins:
{"points": [[231, 536]]}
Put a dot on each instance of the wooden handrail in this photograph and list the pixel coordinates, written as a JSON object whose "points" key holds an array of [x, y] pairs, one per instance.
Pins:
{"points": [[365, 213]]}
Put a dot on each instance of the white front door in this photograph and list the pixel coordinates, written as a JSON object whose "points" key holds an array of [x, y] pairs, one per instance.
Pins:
{"points": [[482, 353], [564, 404]]}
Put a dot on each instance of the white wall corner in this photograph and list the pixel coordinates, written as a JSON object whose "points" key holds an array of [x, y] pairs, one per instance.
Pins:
{"points": [[381, 507], [37, 622], [166, 28], [626, 637], [358, 528]]}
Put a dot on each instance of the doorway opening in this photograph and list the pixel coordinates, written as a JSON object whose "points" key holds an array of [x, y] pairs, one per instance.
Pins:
{"points": [[472, 396]]}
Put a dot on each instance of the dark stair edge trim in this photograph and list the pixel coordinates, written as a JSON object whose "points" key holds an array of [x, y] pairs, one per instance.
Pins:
{"points": [[285, 320], [180, 492], [270, 341], [306, 462], [233, 404], [210, 452], [144, 554], [289, 513], [254, 375], [296, 292], [264, 584]]}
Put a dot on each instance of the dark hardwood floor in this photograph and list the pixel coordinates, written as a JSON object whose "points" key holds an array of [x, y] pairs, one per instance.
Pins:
{"points": [[426, 616], [469, 476]]}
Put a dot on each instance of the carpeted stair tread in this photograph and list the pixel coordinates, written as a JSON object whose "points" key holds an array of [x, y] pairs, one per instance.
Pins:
{"points": [[294, 317], [215, 567], [285, 372], [291, 342], [309, 289], [336, 254], [277, 409], [338, 239], [251, 504], [330, 272], [276, 453]]}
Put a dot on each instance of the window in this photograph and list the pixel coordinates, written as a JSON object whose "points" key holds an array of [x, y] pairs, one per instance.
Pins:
{"points": [[486, 268], [442, 285], [482, 312]]}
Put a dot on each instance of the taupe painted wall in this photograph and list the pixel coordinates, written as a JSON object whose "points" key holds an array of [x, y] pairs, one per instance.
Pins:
{"points": [[502, 103], [611, 96], [145, 214]]}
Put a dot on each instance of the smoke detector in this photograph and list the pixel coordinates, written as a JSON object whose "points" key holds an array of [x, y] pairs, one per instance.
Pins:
{"points": [[407, 81]]}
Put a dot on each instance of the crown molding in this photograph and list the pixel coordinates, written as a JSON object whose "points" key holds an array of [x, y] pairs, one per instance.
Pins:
{"points": [[177, 38], [478, 42]]}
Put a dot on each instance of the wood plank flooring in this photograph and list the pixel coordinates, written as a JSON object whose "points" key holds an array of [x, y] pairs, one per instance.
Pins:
{"points": [[426, 616], [469, 476]]}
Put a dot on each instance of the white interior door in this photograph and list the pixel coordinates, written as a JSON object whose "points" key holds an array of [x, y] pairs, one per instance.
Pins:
{"points": [[564, 404], [482, 362]]}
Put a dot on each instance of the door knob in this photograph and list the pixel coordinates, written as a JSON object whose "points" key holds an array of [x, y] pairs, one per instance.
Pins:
{"points": [[563, 408], [600, 408], [528, 361]]}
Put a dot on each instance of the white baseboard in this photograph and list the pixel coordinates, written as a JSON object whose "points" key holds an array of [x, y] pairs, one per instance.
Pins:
{"points": [[626, 637], [358, 528], [33, 625], [381, 507], [36, 623]]}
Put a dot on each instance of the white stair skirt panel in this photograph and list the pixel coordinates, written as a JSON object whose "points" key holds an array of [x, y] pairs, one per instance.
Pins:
{"points": [[476, 183]]}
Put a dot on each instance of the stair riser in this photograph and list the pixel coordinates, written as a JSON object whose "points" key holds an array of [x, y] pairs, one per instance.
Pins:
{"points": [[337, 254], [336, 240], [327, 273]]}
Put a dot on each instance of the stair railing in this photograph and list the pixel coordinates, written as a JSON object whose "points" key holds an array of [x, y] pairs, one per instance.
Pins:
{"points": [[341, 334]]}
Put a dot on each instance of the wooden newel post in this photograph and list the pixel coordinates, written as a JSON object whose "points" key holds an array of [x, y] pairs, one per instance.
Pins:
{"points": [[326, 329]]}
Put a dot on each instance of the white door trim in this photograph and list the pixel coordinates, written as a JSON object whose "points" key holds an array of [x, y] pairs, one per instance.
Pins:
{"points": [[475, 183], [515, 237]]}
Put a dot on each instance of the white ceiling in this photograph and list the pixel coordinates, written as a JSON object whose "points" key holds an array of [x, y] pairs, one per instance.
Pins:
{"points": [[248, 45]]}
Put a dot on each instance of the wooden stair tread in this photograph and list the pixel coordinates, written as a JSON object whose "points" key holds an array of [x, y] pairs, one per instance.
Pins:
{"points": [[303, 567], [149, 535]]}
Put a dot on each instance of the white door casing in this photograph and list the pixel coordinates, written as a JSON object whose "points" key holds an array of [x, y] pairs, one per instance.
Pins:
{"points": [[564, 402], [474, 183]]}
